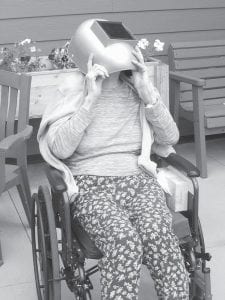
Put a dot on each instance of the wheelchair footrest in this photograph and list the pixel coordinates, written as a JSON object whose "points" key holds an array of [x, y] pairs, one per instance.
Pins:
{"points": [[205, 256]]}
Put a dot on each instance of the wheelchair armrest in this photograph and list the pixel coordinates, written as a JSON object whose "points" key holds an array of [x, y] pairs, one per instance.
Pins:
{"points": [[180, 162], [56, 180]]}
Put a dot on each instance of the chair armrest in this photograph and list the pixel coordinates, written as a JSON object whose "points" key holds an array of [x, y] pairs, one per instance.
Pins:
{"points": [[27, 132], [55, 179], [15, 139], [9, 142], [187, 79], [5, 145], [183, 164]]}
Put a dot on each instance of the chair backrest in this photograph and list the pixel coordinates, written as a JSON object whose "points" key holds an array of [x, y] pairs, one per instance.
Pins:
{"points": [[14, 102], [202, 59]]}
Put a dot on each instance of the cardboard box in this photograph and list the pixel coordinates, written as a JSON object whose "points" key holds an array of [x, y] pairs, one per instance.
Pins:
{"points": [[176, 186]]}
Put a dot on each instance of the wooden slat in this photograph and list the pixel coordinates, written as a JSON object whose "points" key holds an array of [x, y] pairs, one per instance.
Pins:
{"points": [[24, 102], [3, 109], [151, 22], [207, 94], [11, 112], [212, 131], [189, 105], [199, 63], [211, 109], [10, 79], [32, 8], [215, 83], [55, 77], [215, 110], [201, 73], [215, 122], [196, 44], [199, 52], [132, 5]]}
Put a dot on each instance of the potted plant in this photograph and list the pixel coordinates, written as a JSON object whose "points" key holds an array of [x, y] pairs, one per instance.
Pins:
{"points": [[46, 71]]}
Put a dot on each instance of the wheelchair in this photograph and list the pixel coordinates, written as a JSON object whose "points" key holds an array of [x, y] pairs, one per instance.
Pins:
{"points": [[59, 250]]}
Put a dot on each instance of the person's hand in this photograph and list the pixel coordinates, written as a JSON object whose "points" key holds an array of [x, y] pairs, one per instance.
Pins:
{"points": [[141, 79], [94, 78]]}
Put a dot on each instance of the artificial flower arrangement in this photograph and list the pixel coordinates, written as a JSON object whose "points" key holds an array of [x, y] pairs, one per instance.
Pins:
{"points": [[24, 56], [60, 58], [148, 49]]}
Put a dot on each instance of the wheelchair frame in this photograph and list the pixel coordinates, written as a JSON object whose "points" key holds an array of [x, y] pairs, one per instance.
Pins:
{"points": [[51, 210]]}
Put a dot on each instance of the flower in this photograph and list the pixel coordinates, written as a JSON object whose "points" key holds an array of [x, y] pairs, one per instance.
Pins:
{"points": [[158, 45], [143, 43], [32, 49], [26, 41], [148, 49], [60, 58]]}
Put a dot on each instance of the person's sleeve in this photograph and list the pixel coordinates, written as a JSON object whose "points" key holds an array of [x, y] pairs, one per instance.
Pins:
{"points": [[164, 128], [65, 134]]}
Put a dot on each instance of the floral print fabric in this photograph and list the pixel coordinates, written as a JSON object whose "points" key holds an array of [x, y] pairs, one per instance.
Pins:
{"points": [[129, 221]]}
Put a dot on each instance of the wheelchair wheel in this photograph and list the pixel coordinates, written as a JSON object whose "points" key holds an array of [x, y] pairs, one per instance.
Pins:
{"points": [[83, 290], [45, 247]]}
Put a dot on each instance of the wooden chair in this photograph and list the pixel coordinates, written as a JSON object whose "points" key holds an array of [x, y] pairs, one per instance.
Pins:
{"points": [[14, 132], [198, 90]]}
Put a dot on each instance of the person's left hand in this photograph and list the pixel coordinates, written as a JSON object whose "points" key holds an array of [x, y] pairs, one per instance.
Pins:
{"points": [[141, 79]]}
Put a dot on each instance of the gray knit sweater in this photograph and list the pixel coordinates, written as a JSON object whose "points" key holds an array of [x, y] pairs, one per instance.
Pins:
{"points": [[106, 141]]}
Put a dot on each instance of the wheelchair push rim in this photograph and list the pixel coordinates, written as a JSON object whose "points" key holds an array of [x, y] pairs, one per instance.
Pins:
{"points": [[45, 247], [200, 283]]}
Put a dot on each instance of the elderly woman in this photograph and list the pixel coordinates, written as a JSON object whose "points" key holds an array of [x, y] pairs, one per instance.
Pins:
{"points": [[120, 205]]}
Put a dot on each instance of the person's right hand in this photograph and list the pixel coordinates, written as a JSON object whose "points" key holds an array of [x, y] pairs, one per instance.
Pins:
{"points": [[94, 78]]}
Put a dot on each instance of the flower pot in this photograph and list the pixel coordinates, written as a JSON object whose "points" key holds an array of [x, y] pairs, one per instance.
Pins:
{"points": [[44, 84], [43, 87]]}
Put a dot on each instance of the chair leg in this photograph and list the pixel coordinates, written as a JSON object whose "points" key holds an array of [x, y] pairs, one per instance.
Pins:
{"points": [[1, 259], [25, 200], [199, 132], [200, 148], [22, 162], [26, 184]]}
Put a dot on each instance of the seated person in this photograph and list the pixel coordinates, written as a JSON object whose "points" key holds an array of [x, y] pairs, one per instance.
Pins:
{"points": [[120, 203]]}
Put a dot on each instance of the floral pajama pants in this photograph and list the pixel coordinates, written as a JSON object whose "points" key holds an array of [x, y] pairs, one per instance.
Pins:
{"points": [[128, 219]]}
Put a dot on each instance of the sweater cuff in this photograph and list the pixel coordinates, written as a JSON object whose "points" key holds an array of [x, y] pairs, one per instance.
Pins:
{"points": [[155, 96], [156, 111]]}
